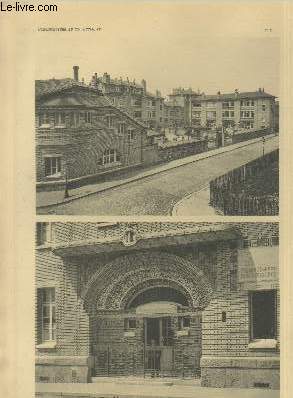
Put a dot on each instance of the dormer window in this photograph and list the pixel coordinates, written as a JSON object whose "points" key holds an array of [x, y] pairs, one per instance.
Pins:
{"points": [[121, 128], [130, 135], [109, 121], [60, 119], [88, 117], [44, 120]]}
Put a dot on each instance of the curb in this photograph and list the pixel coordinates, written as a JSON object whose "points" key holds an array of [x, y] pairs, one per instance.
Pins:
{"points": [[227, 149]]}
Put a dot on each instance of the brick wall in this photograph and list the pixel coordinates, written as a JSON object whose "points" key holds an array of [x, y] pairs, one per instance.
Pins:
{"points": [[84, 336]]}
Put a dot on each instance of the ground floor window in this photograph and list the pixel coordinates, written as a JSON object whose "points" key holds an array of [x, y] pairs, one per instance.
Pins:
{"points": [[43, 233], [53, 166], [263, 314], [48, 314], [110, 156]]}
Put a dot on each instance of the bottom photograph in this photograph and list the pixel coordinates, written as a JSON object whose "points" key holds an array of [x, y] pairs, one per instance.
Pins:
{"points": [[159, 309]]}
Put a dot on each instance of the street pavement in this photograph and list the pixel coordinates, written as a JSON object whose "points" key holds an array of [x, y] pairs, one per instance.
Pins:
{"points": [[116, 390], [157, 194]]}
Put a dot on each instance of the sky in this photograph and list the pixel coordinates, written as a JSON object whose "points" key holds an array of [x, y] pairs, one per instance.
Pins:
{"points": [[206, 46]]}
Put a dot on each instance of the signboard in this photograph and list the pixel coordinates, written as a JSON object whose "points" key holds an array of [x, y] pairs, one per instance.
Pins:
{"points": [[258, 268]]}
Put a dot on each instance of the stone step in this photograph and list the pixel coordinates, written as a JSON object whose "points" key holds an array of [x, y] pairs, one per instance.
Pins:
{"points": [[167, 381]]}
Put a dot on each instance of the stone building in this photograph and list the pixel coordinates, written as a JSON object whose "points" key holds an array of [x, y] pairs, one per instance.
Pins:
{"points": [[132, 97], [184, 98], [239, 110], [80, 133], [158, 299]]}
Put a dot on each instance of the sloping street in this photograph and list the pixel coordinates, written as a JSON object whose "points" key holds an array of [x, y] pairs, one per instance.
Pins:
{"points": [[157, 194]]}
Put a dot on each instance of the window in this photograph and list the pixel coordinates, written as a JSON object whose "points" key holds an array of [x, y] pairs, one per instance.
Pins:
{"points": [[263, 107], [44, 120], [247, 114], [153, 103], [228, 104], [43, 233], [77, 119], [196, 114], [121, 128], [137, 102], [110, 156], [183, 322], [88, 117], [109, 121], [130, 135], [129, 323], [246, 103], [48, 314], [53, 166], [137, 114], [210, 114], [60, 119], [263, 314], [153, 114]]}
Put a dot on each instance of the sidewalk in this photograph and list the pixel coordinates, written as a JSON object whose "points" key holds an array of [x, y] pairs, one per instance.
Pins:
{"points": [[196, 204], [44, 199], [151, 390]]}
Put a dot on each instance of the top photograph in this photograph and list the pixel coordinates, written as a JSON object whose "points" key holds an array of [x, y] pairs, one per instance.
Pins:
{"points": [[170, 122]]}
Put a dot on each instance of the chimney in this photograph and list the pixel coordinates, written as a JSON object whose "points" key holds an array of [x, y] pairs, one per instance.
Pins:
{"points": [[259, 90], [236, 92], [75, 73], [143, 83], [219, 94]]}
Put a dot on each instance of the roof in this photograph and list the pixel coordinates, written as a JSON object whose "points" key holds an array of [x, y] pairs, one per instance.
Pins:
{"points": [[75, 99], [47, 92], [50, 86], [233, 96]]}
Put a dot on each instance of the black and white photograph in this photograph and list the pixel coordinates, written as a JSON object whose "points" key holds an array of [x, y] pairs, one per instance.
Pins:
{"points": [[175, 118], [147, 229], [157, 309]]}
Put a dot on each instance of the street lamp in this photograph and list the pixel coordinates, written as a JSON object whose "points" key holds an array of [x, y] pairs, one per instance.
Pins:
{"points": [[66, 191]]}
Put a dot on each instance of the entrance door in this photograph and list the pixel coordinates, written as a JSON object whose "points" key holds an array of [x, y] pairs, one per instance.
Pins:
{"points": [[158, 346]]}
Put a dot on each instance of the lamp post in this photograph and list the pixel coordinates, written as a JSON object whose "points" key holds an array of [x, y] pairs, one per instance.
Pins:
{"points": [[66, 190]]}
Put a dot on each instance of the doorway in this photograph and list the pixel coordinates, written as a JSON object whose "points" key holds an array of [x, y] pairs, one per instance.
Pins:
{"points": [[159, 350]]}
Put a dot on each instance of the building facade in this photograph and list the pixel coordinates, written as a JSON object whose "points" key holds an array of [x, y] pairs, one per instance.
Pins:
{"points": [[80, 133], [158, 299], [238, 110], [132, 97]]}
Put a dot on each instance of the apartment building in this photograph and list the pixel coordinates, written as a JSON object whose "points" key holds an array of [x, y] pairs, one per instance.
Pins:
{"points": [[153, 299], [132, 97], [239, 110]]}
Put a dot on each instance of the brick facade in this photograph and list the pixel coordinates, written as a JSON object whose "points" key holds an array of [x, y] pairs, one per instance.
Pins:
{"points": [[98, 270]]}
